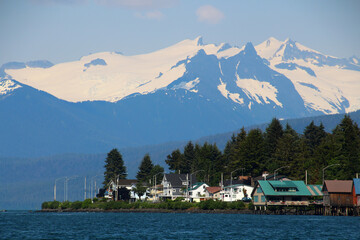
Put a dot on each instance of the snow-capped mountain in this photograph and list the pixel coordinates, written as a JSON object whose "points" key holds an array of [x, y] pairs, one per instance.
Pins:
{"points": [[182, 92], [327, 84]]}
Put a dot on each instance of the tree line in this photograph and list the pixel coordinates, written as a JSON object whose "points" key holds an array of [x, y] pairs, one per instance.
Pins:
{"points": [[253, 152]]}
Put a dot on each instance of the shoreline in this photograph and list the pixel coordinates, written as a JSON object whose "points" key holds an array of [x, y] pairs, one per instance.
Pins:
{"points": [[151, 210]]}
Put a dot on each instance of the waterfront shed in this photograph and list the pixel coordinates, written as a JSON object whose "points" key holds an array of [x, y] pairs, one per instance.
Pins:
{"points": [[338, 193]]}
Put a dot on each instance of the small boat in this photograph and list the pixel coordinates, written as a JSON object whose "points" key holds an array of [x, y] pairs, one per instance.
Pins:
{"points": [[3, 210]]}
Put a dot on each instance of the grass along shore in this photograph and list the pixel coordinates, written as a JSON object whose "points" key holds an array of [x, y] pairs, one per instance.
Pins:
{"points": [[165, 206]]}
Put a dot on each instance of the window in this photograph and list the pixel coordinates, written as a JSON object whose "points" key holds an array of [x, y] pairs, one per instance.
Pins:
{"points": [[263, 198], [256, 198], [258, 190]]}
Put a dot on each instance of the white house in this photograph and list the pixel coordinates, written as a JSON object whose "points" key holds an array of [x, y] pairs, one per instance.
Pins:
{"points": [[175, 184], [236, 192], [198, 192]]}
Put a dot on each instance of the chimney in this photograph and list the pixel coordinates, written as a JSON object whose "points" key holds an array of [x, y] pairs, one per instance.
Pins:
{"points": [[265, 174]]}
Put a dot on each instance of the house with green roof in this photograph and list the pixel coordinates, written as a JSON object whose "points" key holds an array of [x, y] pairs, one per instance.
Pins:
{"points": [[280, 193], [198, 192]]}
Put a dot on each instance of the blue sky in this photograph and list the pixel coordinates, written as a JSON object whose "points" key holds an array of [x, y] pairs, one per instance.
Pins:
{"points": [[65, 30]]}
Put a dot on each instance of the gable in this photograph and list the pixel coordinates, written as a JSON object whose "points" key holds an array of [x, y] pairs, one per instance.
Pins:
{"points": [[338, 186]]}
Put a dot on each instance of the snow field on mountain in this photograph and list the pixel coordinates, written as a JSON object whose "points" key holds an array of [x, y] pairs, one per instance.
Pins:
{"points": [[7, 86], [111, 77]]}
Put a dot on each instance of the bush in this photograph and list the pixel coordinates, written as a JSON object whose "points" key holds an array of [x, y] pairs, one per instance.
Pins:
{"points": [[238, 205], [45, 205], [250, 206], [65, 205], [54, 205], [86, 204], [76, 205]]}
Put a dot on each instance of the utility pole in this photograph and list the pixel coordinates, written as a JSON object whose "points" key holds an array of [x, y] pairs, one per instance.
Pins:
{"points": [[55, 187], [222, 185], [231, 187], [85, 189]]}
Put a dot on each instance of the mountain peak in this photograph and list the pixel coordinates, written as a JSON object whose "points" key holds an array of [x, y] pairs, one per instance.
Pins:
{"points": [[271, 41], [249, 49]]}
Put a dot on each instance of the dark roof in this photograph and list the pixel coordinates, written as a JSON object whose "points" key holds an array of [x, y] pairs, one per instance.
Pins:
{"points": [[127, 182], [338, 186], [176, 180]]}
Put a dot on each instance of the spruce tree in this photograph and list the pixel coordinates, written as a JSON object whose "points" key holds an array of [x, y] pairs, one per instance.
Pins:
{"points": [[189, 158], [145, 169], [272, 135], [175, 160], [159, 172], [114, 167], [254, 152]]}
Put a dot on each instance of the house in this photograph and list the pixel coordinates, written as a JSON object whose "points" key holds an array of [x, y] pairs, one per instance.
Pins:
{"points": [[174, 185], [356, 192], [155, 192], [235, 192], [280, 193], [338, 193], [129, 184], [198, 192], [338, 197], [214, 193]]}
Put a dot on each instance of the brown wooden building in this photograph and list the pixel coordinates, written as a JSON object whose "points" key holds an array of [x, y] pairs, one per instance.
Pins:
{"points": [[338, 197]]}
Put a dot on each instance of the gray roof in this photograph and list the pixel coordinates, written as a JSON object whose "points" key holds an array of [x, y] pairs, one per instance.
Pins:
{"points": [[176, 180]]}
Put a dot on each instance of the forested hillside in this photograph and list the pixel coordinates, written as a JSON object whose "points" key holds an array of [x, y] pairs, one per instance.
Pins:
{"points": [[256, 151]]}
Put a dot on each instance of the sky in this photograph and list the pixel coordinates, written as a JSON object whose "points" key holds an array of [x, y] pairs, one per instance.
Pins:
{"points": [[66, 30]]}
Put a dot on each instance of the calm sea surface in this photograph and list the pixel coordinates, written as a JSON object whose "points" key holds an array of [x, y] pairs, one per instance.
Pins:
{"points": [[31, 225]]}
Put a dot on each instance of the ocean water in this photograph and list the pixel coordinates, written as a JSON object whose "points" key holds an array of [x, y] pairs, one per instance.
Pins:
{"points": [[32, 225]]}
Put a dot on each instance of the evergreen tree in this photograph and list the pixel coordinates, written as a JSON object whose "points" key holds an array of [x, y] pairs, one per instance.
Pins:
{"points": [[159, 172], [140, 189], [348, 139], [175, 160], [254, 152], [189, 158], [114, 167], [314, 135], [145, 169], [286, 153], [272, 135]]}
